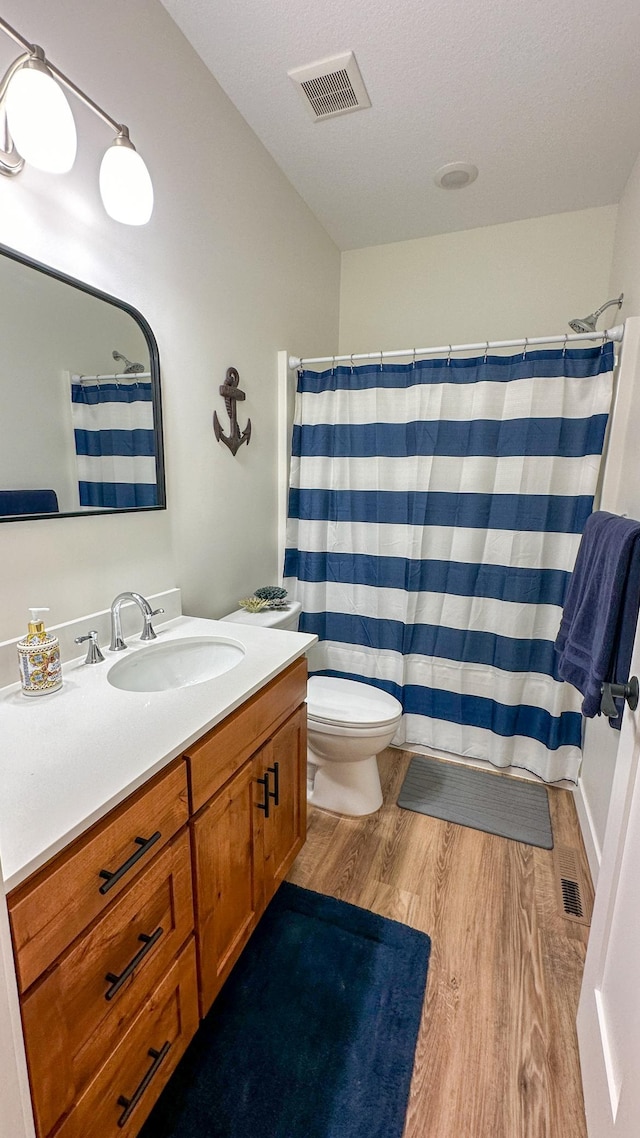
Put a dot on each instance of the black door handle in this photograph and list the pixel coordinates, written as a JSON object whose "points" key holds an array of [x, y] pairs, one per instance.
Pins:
{"points": [[629, 691], [275, 793], [267, 795]]}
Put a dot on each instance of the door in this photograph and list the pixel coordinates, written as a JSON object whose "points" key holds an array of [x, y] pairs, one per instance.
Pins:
{"points": [[609, 1010], [281, 767]]}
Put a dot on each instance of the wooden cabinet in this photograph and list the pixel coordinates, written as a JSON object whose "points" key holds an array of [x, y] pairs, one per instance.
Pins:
{"points": [[76, 1015], [52, 907], [227, 888], [280, 771], [245, 841], [126, 1087], [113, 969]]}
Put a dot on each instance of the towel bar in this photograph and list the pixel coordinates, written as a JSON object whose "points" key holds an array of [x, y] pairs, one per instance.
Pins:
{"points": [[629, 691]]}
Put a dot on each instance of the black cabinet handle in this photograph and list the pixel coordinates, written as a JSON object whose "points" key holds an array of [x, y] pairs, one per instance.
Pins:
{"points": [[275, 793], [130, 1104], [112, 878], [267, 794], [116, 982]]}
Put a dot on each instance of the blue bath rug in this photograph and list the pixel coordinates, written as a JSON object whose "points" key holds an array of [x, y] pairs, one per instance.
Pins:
{"points": [[313, 1034]]}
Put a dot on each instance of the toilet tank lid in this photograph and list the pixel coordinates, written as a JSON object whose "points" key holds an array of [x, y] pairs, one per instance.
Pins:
{"points": [[268, 618], [334, 700]]}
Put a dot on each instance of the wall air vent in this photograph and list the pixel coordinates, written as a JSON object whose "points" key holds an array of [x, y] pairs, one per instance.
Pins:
{"points": [[332, 86]]}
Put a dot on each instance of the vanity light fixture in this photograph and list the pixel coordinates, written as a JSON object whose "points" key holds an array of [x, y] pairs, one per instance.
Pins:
{"points": [[39, 129]]}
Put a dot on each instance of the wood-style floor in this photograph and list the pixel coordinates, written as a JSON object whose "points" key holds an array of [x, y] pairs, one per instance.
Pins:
{"points": [[497, 1054]]}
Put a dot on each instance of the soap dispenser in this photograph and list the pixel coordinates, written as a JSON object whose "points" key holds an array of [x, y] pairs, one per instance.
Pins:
{"points": [[39, 658]]}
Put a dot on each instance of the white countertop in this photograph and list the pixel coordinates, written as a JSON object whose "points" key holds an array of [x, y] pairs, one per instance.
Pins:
{"points": [[69, 757]]}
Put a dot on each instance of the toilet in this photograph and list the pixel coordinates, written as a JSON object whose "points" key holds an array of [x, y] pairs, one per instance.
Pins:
{"points": [[348, 724]]}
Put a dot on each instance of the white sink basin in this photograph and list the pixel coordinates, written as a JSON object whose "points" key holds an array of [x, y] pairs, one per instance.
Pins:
{"points": [[176, 664]]}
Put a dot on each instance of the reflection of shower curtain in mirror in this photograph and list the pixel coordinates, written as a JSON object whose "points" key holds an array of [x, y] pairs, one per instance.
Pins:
{"points": [[435, 514], [115, 444]]}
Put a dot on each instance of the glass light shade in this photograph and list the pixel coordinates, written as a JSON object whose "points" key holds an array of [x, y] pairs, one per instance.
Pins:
{"points": [[125, 185], [40, 121]]}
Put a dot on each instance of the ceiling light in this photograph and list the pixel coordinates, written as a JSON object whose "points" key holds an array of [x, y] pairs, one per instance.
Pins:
{"points": [[455, 175], [40, 130], [39, 118], [125, 185]]}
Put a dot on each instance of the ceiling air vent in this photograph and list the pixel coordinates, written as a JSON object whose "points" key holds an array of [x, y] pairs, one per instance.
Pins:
{"points": [[332, 86]]}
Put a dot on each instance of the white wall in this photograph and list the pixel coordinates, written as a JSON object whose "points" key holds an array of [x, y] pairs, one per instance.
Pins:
{"points": [[525, 278], [621, 494], [231, 267]]}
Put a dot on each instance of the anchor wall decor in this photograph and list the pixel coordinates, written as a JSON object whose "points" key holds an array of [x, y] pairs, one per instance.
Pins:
{"points": [[232, 393]]}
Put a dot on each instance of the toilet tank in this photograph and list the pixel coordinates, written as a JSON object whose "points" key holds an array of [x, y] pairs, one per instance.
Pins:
{"points": [[269, 618]]}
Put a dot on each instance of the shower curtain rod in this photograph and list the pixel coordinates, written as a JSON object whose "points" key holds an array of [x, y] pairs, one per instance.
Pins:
{"points": [[132, 375], [615, 334]]}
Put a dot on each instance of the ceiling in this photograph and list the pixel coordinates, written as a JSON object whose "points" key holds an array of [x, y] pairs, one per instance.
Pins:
{"points": [[544, 98]]}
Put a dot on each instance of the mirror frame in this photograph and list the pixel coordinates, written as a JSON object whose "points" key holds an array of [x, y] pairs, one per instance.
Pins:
{"points": [[154, 368]]}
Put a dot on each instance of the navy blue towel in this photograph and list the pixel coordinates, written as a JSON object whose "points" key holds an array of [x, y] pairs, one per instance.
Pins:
{"points": [[15, 502], [598, 624]]}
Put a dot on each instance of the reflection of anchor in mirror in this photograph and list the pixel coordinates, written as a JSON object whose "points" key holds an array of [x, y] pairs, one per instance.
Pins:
{"points": [[232, 394]]}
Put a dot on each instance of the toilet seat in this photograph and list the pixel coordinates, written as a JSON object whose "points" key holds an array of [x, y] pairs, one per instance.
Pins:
{"points": [[338, 703]]}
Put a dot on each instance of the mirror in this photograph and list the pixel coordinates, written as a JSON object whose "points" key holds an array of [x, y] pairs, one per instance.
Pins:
{"points": [[81, 419]]}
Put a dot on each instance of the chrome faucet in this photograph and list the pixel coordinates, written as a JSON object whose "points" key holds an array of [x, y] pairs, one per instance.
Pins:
{"points": [[148, 632]]}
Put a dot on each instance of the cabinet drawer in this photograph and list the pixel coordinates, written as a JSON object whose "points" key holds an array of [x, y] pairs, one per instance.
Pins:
{"points": [[75, 1017], [49, 911], [124, 1090], [213, 759]]}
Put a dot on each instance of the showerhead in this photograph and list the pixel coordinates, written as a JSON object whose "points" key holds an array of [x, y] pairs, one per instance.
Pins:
{"points": [[588, 323], [129, 368]]}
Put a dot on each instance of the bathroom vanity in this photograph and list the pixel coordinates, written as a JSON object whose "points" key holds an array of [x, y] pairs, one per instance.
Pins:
{"points": [[129, 925]]}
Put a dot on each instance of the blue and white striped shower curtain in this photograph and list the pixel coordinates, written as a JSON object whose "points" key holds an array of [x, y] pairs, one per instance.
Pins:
{"points": [[434, 518], [115, 443]]}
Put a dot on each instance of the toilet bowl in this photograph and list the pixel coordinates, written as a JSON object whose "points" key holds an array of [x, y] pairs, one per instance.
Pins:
{"points": [[348, 724]]}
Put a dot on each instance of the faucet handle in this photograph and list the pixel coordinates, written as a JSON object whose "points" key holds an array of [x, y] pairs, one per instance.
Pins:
{"points": [[149, 632], [94, 655]]}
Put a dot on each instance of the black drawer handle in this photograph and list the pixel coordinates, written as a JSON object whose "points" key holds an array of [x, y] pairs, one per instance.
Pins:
{"points": [[130, 1104], [112, 878], [267, 794], [116, 982], [275, 793]]}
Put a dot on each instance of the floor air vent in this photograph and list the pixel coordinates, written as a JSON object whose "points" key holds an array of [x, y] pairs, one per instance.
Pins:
{"points": [[332, 86], [574, 898]]}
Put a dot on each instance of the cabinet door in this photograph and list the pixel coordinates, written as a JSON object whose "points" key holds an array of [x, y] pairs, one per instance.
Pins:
{"points": [[283, 763], [227, 897]]}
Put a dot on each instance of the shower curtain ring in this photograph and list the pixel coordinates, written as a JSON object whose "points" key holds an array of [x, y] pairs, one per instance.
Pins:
{"points": [[564, 350], [333, 365], [486, 351], [449, 356], [526, 345], [380, 361], [351, 358], [414, 359]]}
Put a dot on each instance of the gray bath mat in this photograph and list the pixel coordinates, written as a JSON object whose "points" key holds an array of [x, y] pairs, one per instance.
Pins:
{"points": [[508, 807]]}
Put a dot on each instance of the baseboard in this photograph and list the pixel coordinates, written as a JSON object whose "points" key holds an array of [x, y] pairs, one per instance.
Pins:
{"points": [[587, 829]]}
